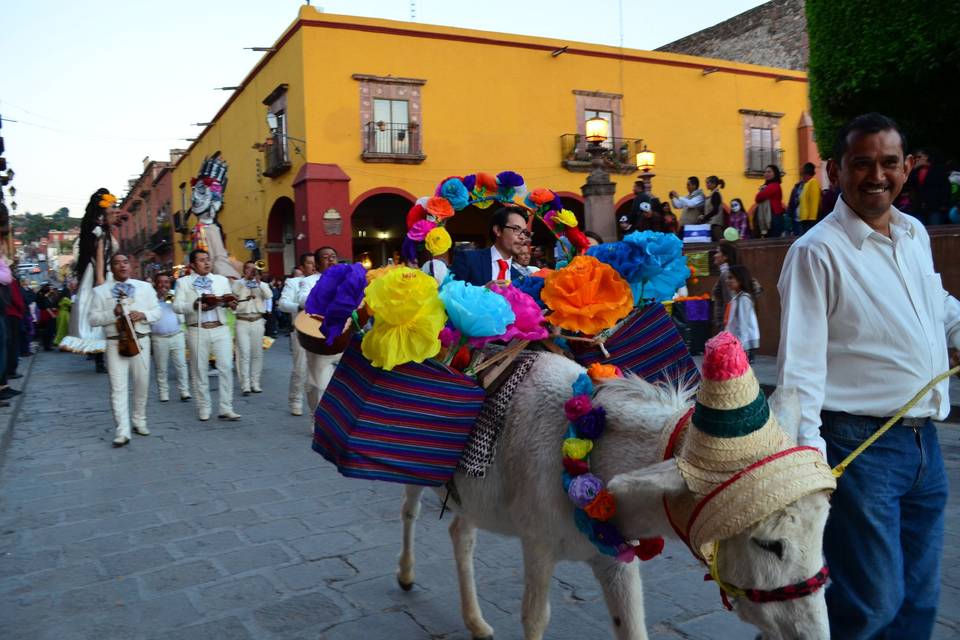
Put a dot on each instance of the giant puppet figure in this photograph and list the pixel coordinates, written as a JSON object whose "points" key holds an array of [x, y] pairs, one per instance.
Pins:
{"points": [[206, 200]]}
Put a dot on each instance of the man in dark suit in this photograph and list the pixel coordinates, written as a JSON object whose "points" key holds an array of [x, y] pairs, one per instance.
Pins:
{"points": [[508, 232]]}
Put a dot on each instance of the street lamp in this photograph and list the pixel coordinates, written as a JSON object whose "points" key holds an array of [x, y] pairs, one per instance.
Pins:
{"points": [[597, 129], [599, 189], [646, 161]]}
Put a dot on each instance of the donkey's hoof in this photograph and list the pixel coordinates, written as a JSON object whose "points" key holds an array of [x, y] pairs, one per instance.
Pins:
{"points": [[406, 586]]}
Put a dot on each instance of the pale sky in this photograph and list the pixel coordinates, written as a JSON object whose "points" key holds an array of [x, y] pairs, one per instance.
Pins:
{"points": [[97, 85]]}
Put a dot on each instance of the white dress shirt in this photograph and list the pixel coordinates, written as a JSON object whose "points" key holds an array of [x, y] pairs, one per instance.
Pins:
{"points": [[436, 268], [865, 321], [290, 295], [251, 300], [186, 294], [306, 286], [169, 322], [144, 300]]}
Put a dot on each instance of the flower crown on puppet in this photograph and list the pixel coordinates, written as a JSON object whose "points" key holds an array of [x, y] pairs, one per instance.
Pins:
{"points": [[107, 200], [427, 218], [213, 174]]}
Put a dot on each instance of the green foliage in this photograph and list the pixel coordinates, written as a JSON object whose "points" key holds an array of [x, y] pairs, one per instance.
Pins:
{"points": [[30, 227], [899, 58]]}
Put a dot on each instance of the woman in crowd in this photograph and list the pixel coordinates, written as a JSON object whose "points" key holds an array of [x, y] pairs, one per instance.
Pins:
{"points": [[713, 208], [769, 213]]}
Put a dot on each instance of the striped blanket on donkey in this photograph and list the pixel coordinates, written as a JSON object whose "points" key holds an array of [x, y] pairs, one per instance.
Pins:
{"points": [[407, 425]]}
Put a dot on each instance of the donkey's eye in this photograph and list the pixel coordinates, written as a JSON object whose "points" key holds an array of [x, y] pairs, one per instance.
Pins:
{"points": [[773, 546]]}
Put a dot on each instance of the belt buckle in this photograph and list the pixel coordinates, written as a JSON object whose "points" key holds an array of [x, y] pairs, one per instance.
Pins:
{"points": [[913, 422]]}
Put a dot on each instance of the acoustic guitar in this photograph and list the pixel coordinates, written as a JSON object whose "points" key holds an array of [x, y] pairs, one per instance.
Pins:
{"points": [[313, 340]]}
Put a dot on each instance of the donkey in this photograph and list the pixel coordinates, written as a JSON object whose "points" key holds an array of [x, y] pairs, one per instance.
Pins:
{"points": [[522, 496]]}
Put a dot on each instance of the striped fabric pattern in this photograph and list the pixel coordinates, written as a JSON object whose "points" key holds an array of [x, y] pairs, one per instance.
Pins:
{"points": [[649, 345], [408, 425]]}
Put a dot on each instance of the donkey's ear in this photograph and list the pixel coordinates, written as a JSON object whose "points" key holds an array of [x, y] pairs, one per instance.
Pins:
{"points": [[639, 496], [785, 405]]}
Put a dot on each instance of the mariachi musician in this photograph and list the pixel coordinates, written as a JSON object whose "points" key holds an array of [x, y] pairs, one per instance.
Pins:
{"points": [[252, 295], [202, 297], [125, 308]]}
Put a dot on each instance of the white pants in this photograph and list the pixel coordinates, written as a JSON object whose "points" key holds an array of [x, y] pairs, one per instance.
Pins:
{"points": [[319, 371], [202, 342], [298, 374], [249, 353], [166, 348], [121, 370]]}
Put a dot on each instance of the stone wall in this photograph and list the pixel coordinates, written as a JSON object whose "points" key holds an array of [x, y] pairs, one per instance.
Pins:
{"points": [[773, 34]]}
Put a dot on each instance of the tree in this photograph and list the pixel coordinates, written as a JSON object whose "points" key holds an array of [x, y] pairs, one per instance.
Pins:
{"points": [[30, 227], [899, 58]]}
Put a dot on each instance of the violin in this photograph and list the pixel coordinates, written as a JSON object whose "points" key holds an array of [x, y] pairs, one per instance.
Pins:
{"points": [[210, 301], [127, 344]]}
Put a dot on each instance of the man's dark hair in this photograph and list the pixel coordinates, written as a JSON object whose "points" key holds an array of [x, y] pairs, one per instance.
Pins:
{"points": [[866, 124], [303, 257], [641, 184], [594, 235], [161, 274], [808, 169], [500, 217], [117, 255], [695, 180], [316, 254], [742, 274], [195, 253], [728, 250]]}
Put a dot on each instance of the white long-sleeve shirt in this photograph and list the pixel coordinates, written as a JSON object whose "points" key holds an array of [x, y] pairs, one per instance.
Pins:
{"points": [[742, 320], [306, 286], [289, 296], [865, 321]]}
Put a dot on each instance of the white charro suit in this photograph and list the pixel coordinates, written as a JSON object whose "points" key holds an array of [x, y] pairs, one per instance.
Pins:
{"points": [[208, 337], [123, 369], [320, 368], [250, 324], [289, 303]]}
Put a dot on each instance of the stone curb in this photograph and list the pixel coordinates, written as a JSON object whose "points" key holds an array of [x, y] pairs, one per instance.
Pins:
{"points": [[7, 422]]}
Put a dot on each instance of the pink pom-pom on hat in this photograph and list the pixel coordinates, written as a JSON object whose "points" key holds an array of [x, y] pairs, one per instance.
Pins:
{"points": [[724, 358]]}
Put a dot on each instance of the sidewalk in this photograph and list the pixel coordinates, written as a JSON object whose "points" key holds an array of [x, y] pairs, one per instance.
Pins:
{"points": [[8, 415]]}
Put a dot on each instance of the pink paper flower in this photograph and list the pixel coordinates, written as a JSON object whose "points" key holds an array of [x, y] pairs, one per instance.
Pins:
{"points": [[529, 321], [576, 407], [418, 232]]}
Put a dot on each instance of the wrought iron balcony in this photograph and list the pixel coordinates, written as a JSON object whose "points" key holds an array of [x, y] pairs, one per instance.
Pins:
{"points": [[620, 154], [276, 156], [392, 142], [759, 157], [160, 240]]}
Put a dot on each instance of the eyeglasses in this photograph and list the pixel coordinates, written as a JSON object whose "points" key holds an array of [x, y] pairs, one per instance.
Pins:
{"points": [[521, 231]]}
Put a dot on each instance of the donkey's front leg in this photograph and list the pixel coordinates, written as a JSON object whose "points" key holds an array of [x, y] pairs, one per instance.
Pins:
{"points": [[464, 537], [623, 591], [538, 564], [408, 514]]}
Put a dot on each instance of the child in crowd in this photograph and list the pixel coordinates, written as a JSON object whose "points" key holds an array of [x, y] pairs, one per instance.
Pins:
{"points": [[738, 218], [740, 318]]}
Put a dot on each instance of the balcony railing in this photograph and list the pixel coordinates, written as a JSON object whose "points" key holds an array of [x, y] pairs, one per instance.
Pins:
{"points": [[160, 240], [759, 157], [392, 142], [276, 156], [619, 154]]}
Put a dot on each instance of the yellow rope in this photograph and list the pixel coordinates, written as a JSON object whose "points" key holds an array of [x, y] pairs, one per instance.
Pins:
{"points": [[715, 574], [840, 468]]}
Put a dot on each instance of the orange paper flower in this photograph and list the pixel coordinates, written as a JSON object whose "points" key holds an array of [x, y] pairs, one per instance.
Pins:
{"points": [[541, 196], [439, 208], [603, 507], [598, 372], [586, 295], [487, 180]]}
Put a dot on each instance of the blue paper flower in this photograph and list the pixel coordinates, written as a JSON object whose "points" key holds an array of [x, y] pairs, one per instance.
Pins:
{"points": [[625, 258], [335, 296], [652, 262], [583, 385], [457, 194], [532, 286], [477, 312]]}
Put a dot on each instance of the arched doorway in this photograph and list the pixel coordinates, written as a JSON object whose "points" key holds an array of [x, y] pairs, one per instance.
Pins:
{"points": [[469, 227], [379, 224], [281, 254]]}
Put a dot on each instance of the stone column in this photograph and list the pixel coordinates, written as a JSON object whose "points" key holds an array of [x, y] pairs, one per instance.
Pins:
{"points": [[318, 189], [598, 213]]}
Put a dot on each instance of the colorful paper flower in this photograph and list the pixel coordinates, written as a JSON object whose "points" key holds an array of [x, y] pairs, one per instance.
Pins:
{"points": [[584, 489], [598, 372], [107, 200], [566, 218], [532, 286], [528, 323], [418, 232], [455, 193], [586, 296], [335, 296], [591, 424], [416, 213], [477, 312], [602, 507], [439, 208], [509, 179], [577, 448], [577, 239], [373, 274], [575, 467], [583, 385], [540, 197], [408, 250], [408, 317], [438, 241], [577, 406], [663, 267]]}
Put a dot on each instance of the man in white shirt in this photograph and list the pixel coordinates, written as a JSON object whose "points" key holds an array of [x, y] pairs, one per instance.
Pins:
{"points": [[320, 367], [252, 297], [167, 341], [692, 205], [137, 300], [865, 324], [289, 298], [207, 332]]}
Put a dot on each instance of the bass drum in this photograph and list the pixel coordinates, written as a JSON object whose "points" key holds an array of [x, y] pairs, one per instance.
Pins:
{"points": [[313, 340]]}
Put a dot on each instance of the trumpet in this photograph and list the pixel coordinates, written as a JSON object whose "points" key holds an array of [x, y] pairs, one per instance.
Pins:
{"points": [[260, 265]]}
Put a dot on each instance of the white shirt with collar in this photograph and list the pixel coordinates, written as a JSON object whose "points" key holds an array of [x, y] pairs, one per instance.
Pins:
{"points": [[104, 301], [251, 300], [865, 321], [290, 295], [306, 286], [186, 294], [494, 256]]}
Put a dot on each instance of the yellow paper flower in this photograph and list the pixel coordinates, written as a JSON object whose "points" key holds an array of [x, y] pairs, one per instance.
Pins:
{"points": [[587, 295], [107, 200], [373, 274], [566, 218], [408, 317], [438, 241], [577, 448]]}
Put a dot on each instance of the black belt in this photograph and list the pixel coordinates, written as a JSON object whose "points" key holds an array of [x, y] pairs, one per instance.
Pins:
{"points": [[902, 422]]}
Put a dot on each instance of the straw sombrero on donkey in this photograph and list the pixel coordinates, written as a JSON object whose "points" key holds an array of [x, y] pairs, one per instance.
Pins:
{"points": [[738, 463]]}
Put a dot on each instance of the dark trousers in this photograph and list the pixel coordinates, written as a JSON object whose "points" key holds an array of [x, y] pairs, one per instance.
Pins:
{"points": [[13, 344]]}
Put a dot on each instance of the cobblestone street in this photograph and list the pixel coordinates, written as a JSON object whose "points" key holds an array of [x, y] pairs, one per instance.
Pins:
{"points": [[238, 530]]}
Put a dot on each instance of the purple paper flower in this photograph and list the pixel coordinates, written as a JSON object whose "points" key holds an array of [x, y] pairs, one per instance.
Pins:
{"points": [[470, 181], [408, 250], [509, 179], [607, 534], [337, 294], [584, 488], [591, 424], [577, 406]]}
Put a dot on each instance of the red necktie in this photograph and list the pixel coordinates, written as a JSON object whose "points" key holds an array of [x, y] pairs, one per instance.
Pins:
{"points": [[503, 269]]}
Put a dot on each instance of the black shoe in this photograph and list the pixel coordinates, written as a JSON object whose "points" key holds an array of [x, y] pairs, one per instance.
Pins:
{"points": [[8, 393], [101, 368], [4, 403], [15, 376]]}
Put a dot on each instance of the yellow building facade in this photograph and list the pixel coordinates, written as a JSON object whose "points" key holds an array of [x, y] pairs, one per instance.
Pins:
{"points": [[346, 121]]}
